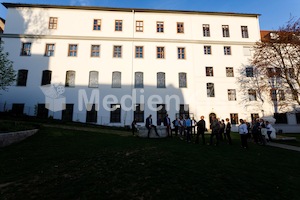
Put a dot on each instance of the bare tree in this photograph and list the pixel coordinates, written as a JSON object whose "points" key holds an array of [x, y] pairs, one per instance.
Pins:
{"points": [[277, 62], [7, 74]]}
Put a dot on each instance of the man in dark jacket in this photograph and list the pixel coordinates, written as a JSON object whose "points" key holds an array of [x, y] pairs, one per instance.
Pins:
{"points": [[215, 128], [200, 130], [149, 125]]}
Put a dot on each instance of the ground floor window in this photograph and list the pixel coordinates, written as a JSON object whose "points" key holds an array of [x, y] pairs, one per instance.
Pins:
{"points": [[138, 113], [91, 113], [42, 111], [18, 108], [234, 118], [115, 113], [161, 113], [281, 118], [67, 114], [298, 118]]}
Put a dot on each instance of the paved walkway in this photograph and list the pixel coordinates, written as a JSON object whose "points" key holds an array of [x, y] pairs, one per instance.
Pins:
{"points": [[283, 146]]}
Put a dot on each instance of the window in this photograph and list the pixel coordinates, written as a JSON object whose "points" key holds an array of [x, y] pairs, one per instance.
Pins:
{"points": [[181, 53], [116, 80], [138, 80], [249, 71], [184, 110], [117, 52], [180, 27], [160, 52], [210, 87], [53, 23], [254, 116], [18, 108], [209, 71], [46, 78], [139, 26], [50, 50], [161, 113], [298, 118], [273, 93], [91, 113], [252, 95], [281, 95], [22, 77], [138, 112], [281, 118], [206, 31], [97, 25], [72, 50], [227, 50], [182, 80], [139, 52], [234, 118], [95, 51], [93, 80], [42, 111], [161, 80], [26, 49], [115, 113], [291, 73], [70, 79], [67, 114], [207, 50], [225, 30], [231, 95], [244, 31], [159, 27], [118, 25], [229, 72]]}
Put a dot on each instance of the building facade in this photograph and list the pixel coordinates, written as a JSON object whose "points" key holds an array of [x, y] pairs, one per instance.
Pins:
{"points": [[111, 65]]}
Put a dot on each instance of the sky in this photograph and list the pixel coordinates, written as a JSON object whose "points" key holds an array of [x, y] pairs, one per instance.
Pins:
{"points": [[274, 13]]}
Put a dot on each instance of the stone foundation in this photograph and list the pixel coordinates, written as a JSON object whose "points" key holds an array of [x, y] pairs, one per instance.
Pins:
{"points": [[161, 130]]}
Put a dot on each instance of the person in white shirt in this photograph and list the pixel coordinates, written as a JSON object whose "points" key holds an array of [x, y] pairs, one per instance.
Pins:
{"points": [[243, 131]]}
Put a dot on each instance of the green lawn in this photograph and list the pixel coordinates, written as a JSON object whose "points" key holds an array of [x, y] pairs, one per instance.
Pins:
{"points": [[65, 164]]}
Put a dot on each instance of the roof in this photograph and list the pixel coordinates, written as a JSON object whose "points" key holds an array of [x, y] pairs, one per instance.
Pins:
{"points": [[15, 5]]}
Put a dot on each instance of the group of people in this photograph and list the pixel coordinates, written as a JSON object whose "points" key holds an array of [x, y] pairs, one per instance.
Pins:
{"points": [[185, 127]]}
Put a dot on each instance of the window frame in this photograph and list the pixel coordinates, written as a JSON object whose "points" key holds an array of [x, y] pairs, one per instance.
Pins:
{"points": [[252, 93], [116, 83], [206, 30], [118, 25], [97, 26], [209, 71], [207, 50], [180, 27], [234, 118], [73, 53], [95, 53], [26, 49], [161, 84], [53, 22], [22, 77], [46, 77], [181, 53], [229, 72], [182, 82], [138, 27], [160, 27], [115, 114], [92, 83], [227, 50], [139, 112], [210, 87], [231, 94], [225, 31], [136, 83], [117, 51], [244, 31], [138, 53], [69, 74], [48, 51], [160, 52]]}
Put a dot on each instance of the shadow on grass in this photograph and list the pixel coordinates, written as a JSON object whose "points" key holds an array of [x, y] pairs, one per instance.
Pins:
{"points": [[59, 163]]}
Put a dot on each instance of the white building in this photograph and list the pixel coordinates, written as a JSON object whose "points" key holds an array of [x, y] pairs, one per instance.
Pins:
{"points": [[180, 59]]}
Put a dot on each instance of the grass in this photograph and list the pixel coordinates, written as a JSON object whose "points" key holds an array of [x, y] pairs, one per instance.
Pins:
{"points": [[13, 126], [59, 163]]}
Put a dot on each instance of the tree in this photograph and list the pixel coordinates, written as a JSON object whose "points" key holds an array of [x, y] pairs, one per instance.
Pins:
{"points": [[276, 67], [7, 73]]}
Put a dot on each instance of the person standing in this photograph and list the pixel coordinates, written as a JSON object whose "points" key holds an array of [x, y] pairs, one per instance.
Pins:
{"points": [[188, 127], [167, 123], [215, 128], [176, 125], [200, 130], [133, 126], [149, 125], [227, 131], [255, 130], [243, 131], [194, 124]]}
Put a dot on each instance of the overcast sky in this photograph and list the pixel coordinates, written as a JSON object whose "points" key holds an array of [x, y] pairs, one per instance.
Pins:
{"points": [[274, 13]]}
